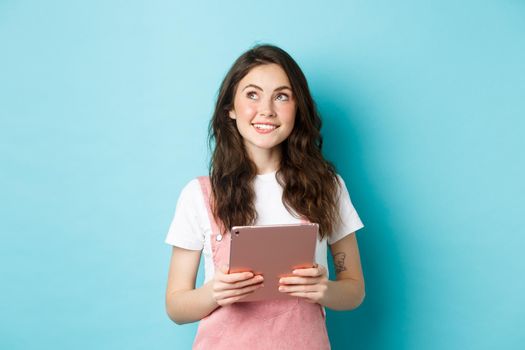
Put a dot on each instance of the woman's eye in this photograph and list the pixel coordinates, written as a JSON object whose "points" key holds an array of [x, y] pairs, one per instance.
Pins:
{"points": [[252, 95], [284, 97]]}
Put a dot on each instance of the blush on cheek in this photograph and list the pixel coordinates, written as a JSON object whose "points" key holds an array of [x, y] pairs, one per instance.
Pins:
{"points": [[287, 112], [247, 110]]}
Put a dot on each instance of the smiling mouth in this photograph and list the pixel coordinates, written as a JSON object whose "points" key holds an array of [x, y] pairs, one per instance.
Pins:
{"points": [[265, 126]]}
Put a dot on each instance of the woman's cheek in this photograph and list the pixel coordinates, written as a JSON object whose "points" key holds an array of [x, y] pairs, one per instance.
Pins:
{"points": [[247, 110], [287, 111]]}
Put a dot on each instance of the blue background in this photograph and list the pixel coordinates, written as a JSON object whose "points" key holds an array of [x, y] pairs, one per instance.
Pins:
{"points": [[104, 110]]}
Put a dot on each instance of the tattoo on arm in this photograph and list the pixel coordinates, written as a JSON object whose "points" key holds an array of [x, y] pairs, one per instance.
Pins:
{"points": [[339, 262]]}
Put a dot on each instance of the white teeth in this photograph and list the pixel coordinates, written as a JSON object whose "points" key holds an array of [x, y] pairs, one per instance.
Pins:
{"points": [[264, 126]]}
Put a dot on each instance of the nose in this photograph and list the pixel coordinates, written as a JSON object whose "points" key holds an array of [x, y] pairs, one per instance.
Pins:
{"points": [[266, 108]]}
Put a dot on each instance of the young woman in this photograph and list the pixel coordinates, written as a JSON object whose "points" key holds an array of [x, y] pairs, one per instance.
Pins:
{"points": [[266, 169]]}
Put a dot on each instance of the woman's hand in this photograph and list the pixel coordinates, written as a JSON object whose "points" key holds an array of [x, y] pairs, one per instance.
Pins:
{"points": [[309, 283], [228, 288]]}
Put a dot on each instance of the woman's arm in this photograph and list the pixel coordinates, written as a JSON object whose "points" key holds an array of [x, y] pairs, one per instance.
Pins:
{"points": [[185, 303], [347, 292]]}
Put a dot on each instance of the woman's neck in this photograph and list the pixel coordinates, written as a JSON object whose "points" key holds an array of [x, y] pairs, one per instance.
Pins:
{"points": [[266, 161]]}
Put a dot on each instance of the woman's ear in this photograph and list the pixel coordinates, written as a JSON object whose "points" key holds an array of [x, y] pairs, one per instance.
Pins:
{"points": [[232, 115]]}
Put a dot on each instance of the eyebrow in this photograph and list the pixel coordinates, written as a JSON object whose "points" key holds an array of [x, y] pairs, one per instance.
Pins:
{"points": [[277, 89]]}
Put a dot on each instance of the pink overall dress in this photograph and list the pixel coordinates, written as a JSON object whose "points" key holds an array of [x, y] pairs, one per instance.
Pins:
{"points": [[278, 324]]}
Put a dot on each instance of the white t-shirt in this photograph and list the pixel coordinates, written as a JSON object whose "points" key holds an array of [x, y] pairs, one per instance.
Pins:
{"points": [[190, 227]]}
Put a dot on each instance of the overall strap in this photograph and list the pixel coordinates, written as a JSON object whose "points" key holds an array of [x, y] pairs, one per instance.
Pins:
{"points": [[217, 237]]}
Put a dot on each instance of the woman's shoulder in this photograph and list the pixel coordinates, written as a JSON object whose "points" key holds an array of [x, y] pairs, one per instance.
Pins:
{"points": [[340, 180], [192, 189], [191, 185], [343, 190]]}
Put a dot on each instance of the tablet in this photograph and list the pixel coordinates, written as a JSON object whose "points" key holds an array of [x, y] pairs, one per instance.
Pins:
{"points": [[273, 251]]}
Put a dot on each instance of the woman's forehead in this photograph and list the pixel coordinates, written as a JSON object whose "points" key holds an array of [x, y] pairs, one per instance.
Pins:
{"points": [[267, 77]]}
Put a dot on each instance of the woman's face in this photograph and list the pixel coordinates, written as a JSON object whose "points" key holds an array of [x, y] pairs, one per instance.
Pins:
{"points": [[264, 108]]}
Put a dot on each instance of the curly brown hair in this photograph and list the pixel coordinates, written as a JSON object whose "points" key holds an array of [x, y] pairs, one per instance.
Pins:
{"points": [[310, 184]]}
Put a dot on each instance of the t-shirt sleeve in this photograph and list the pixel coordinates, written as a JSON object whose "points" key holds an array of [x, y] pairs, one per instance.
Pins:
{"points": [[350, 221], [185, 230]]}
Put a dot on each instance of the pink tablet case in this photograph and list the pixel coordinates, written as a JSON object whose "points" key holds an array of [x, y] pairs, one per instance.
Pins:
{"points": [[273, 251]]}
